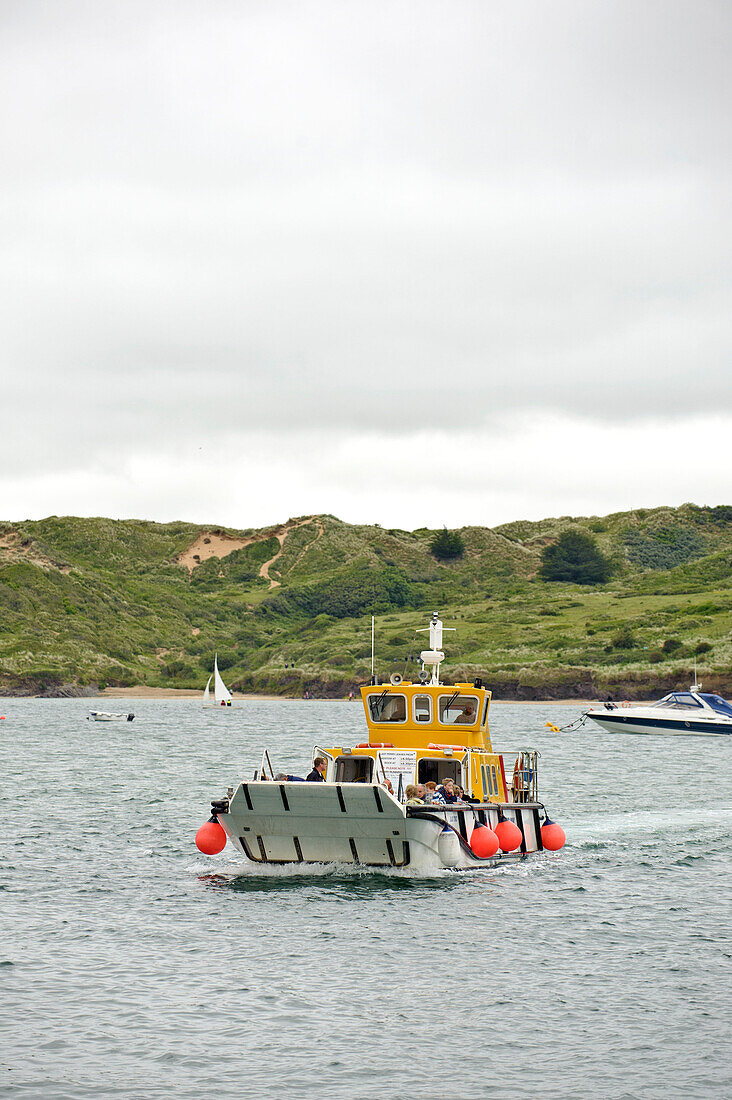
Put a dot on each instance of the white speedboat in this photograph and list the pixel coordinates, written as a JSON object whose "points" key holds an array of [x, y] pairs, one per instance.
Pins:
{"points": [[361, 803], [108, 716], [680, 712]]}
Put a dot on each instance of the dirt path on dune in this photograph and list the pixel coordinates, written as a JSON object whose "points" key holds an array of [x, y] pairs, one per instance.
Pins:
{"points": [[208, 545], [281, 535]]}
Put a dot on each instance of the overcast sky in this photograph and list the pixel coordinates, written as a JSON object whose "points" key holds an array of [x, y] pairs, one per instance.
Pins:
{"points": [[410, 263]]}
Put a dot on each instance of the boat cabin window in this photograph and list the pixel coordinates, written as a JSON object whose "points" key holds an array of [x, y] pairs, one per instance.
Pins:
{"points": [[490, 780], [438, 770], [680, 700], [422, 708], [716, 702], [457, 709], [353, 769], [388, 707], [485, 710]]}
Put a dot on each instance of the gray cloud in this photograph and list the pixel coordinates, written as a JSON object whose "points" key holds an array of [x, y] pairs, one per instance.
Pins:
{"points": [[268, 215]]}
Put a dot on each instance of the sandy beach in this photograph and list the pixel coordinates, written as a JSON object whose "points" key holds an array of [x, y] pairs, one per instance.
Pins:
{"points": [[141, 691]]}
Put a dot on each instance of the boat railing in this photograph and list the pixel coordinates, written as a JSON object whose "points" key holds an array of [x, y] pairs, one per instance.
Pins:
{"points": [[524, 781], [462, 807]]}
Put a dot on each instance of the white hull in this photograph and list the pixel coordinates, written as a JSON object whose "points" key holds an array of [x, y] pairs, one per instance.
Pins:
{"points": [[105, 716], [362, 824], [626, 722]]}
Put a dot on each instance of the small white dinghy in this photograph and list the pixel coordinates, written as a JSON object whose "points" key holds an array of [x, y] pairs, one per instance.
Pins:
{"points": [[108, 716], [221, 694]]}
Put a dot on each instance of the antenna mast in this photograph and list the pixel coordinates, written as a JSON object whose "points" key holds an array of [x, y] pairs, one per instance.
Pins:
{"points": [[433, 657], [372, 647]]}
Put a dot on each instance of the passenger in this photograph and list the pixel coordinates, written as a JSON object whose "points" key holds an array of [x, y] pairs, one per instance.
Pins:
{"points": [[429, 791], [438, 796], [420, 791], [467, 716], [281, 777], [448, 791], [386, 784], [412, 796], [317, 775]]}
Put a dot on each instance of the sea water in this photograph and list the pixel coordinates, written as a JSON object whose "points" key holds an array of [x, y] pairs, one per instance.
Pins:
{"points": [[132, 966]]}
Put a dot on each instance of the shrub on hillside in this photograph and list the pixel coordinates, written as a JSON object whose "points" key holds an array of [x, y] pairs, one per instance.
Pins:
{"points": [[177, 670], [671, 645], [721, 514], [574, 557], [354, 591], [225, 658], [703, 647], [663, 548], [446, 545], [624, 639]]}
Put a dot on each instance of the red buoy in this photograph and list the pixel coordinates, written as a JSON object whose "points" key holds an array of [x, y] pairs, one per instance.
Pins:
{"points": [[553, 836], [509, 835], [484, 842], [211, 838]]}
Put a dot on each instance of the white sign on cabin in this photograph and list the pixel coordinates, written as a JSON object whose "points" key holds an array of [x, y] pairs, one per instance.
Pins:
{"points": [[394, 763]]}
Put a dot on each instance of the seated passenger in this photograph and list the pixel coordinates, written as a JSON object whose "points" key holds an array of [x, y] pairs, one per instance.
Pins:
{"points": [[412, 796], [386, 784], [464, 797], [438, 796], [317, 775], [467, 716], [447, 790], [429, 791], [281, 777]]}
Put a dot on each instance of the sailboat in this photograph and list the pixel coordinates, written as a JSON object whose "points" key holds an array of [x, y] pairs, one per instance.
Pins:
{"points": [[221, 694]]}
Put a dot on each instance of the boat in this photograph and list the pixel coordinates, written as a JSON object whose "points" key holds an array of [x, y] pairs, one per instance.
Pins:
{"points": [[365, 812], [108, 716], [691, 712], [221, 694]]}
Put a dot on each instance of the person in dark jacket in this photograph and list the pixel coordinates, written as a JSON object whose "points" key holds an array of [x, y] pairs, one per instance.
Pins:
{"points": [[317, 775], [447, 790]]}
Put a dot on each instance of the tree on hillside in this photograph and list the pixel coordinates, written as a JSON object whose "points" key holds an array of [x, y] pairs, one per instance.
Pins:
{"points": [[575, 557], [446, 545]]}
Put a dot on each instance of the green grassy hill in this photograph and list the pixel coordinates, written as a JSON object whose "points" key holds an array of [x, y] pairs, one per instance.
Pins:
{"points": [[120, 602]]}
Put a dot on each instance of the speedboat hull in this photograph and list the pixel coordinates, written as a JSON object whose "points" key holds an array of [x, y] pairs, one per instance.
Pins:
{"points": [[357, 823], [629, 722]]}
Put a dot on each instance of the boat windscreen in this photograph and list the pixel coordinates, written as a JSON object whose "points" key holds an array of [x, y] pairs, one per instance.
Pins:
{"points": [[679, 700], [716, 702]]}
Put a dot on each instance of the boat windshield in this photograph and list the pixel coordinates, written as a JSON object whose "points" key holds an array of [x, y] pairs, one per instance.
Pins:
{"points": [[716, 702], [457, 709], [679, 700], [388, 707]]}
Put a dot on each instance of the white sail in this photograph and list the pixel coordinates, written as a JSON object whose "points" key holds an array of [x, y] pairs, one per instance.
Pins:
{"points": [[221, 692], [207, 692]]}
